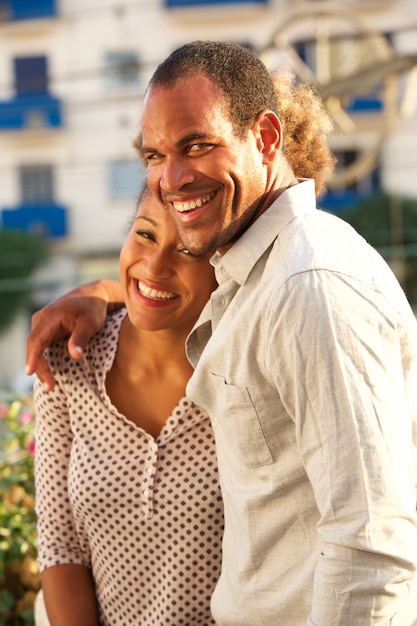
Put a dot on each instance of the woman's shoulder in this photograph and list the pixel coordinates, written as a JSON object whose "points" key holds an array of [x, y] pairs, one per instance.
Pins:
{"points": [[104, 340], [104, 343], [111, 328]]}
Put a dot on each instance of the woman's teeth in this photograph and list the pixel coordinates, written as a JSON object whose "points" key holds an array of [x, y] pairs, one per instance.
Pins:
{"points": [[182, 207], [155, 294]]}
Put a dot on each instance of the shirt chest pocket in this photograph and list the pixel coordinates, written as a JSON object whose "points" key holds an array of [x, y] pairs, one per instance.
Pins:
{"points": [[238, 428]]}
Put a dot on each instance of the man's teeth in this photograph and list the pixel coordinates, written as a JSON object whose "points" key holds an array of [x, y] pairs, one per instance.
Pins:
{"points": [[182, 207], [154, 293]]}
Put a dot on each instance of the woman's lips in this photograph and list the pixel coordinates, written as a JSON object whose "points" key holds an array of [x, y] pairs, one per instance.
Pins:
{"points": [[154, 294]]}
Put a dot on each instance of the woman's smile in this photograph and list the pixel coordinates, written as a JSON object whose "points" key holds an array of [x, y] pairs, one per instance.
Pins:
{"points": [[154, 293]]}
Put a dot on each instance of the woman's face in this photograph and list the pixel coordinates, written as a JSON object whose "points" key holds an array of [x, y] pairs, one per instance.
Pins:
{"points": [[165, 287]]}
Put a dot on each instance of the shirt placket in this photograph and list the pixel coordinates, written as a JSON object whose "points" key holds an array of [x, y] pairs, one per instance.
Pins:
{"points": [[147, 491], [221, 298]]}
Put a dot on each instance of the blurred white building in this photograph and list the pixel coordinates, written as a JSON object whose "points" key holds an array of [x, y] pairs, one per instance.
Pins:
{"points": [[72, 79]]}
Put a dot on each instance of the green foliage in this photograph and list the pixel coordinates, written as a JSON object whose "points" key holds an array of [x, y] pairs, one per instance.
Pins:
{"points": [[20, 255], [19, 574], [375, 216], [390, 225]]}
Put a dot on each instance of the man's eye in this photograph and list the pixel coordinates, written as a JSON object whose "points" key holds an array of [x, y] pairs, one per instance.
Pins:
{"points": [[199, 147]]}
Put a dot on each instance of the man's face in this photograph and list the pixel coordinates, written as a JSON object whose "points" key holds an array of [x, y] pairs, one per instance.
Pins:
{"points": [[212, 182]]}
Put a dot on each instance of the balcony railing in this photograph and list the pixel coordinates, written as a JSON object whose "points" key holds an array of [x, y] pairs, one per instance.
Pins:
{"points": [[49, 220], [29, 9], [31, 111]]}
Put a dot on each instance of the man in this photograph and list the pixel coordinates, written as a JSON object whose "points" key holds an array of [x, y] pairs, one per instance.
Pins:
{"points": [[305, 357]]}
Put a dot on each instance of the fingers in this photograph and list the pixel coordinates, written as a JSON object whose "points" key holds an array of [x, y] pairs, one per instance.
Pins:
{"points": [[40, 337], [35, 361], [77, 343], [35, 346], [77, 315], [88, 315], [44, 374]]}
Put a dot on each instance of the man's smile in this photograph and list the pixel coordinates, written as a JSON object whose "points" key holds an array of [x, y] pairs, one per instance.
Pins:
{"points": [[183, 207]]}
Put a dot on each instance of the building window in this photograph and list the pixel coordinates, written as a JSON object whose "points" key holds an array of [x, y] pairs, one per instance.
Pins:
{"points": [[31, 75], [122, 69], [36, 184], [126, 179], [4, 11]]}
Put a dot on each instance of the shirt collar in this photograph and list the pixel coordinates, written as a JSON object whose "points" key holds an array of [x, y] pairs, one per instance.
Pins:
{"points": [[239, 260]]}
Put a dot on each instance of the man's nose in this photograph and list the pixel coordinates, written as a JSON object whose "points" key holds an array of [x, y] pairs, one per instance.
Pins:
{"points": [[175, 174]]}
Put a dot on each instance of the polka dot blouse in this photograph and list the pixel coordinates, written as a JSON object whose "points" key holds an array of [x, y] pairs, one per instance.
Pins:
{"points": [[145, 515]]}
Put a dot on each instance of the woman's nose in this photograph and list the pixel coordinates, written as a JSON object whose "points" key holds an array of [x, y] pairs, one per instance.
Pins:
{"points": [[159, 265]]}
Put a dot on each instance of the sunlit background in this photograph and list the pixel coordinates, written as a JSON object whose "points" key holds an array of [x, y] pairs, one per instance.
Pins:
{"points": [[72, 80]]}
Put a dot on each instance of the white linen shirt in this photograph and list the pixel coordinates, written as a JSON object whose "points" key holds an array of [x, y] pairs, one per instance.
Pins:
{"points": [[305, 360]]}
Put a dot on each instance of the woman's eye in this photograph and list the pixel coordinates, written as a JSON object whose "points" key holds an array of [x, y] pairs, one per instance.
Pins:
{"points": [[145, 235], [185, 251]]}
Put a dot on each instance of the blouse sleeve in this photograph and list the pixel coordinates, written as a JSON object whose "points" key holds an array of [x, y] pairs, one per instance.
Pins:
{"points": [[57, 538]]}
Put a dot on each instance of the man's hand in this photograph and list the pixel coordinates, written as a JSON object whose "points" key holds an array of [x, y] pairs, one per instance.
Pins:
{"points": [[79, 315]]}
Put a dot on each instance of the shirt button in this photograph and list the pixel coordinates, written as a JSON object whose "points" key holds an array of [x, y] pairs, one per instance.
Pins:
{"points": [[146, 493]]}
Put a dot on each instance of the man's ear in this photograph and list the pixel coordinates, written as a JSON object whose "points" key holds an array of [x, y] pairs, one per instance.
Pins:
{"points": [[268, 130]]}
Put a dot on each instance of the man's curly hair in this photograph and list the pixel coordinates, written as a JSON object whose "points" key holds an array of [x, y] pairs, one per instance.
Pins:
{"points": [[306, 126]]}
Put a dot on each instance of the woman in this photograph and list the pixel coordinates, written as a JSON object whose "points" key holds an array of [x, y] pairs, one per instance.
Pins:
{"points": [[128, 502]]}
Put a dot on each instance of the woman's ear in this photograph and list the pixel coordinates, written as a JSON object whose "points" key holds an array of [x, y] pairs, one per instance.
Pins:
{"points": [[268, 130]]}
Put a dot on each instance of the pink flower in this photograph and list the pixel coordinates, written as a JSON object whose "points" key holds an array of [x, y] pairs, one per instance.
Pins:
{"points": [[31, 447], [4, 411], [26, 417]]}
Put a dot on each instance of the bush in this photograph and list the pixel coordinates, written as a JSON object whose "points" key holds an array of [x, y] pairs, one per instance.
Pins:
{"points": [[390, 225], [19, 574], [20, 255]]}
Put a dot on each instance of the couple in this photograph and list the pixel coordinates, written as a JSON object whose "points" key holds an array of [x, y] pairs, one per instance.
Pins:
{"points": [[305, 359]]}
